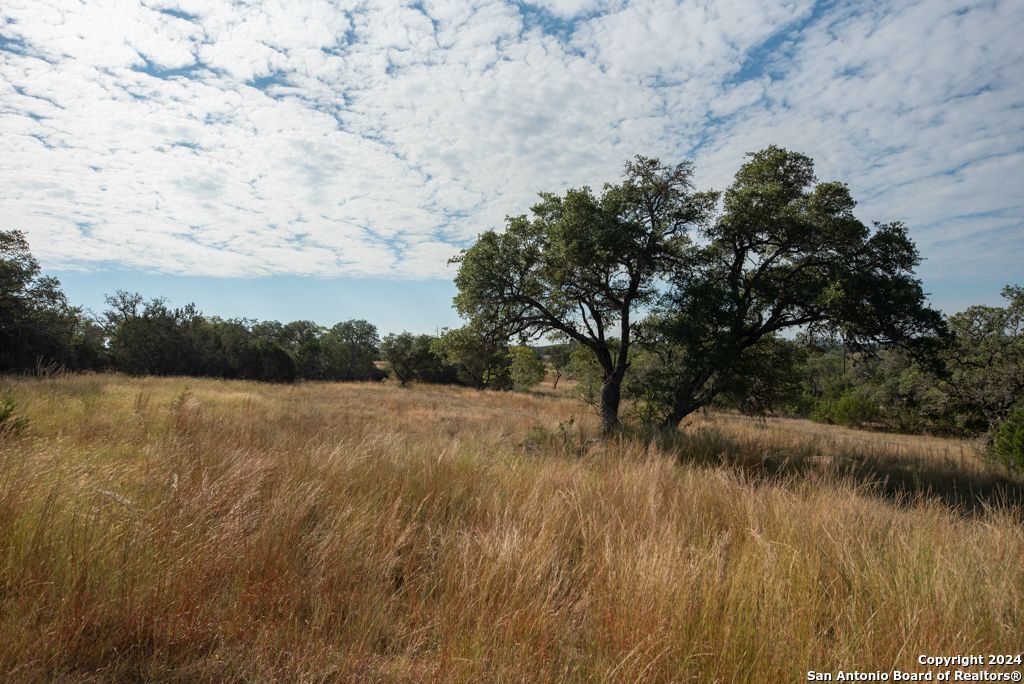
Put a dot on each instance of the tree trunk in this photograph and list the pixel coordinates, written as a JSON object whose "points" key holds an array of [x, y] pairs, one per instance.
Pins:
{"points": [[558, 375], [680, 409], [611, 395]]}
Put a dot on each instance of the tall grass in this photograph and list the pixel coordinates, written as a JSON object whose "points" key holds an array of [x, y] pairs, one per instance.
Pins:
{"points": [[196, 530]]}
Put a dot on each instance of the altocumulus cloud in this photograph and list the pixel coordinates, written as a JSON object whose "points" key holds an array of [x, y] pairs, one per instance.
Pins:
{"points": [[377, 138]]}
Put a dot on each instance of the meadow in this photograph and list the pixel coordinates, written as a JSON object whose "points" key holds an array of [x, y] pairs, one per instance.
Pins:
{"points": [[199, 530]]}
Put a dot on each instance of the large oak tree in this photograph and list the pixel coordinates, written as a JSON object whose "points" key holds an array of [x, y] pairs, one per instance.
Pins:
{"points": [[786, 253], [582, 265]]}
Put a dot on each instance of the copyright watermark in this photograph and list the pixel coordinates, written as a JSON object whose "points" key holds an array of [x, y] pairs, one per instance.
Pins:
{"points": [[936, 668]]}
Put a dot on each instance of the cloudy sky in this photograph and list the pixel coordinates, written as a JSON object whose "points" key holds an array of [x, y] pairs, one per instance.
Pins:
{"points": [[306, 158]]}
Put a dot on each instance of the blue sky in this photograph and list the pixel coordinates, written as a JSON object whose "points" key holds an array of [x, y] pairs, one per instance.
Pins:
{"points": [[324, 159]]}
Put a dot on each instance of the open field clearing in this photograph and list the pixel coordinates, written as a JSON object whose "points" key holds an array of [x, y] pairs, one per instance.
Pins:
{"points": [[201, 530]]}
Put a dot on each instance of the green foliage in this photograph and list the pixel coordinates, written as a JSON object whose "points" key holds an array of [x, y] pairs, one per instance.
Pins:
{"points": [[11, 425], [983, 368], [264, 360], [560, 358], [853, 409], [38, 327], [966, 387], [351, 349], [584, 369], [647, 406], [151, 338], [1008, 447], [527, 369], [346, 351], [400, 351], [478, 361], [581, 265], [413, 357], [766, 377], [787, 252]]}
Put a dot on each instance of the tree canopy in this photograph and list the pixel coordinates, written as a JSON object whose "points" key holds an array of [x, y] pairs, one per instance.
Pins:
{"points": [[37, 324], [582, 265], [984, 365], [785, 252], [527, 368]]}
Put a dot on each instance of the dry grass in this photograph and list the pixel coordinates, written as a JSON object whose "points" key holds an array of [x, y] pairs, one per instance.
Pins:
{"points": [[195, 530]]}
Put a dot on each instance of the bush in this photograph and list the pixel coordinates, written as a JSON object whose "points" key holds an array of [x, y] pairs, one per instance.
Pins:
{"points": [[415, 357], [476, 360], [1008, 447], [569, 440], [10, 424], [584, 369], [852, 409], [527, 369]]}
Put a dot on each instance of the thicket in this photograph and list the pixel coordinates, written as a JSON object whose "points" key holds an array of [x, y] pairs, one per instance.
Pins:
{"points": [[40, 332], [969, 385], [948, 393]]}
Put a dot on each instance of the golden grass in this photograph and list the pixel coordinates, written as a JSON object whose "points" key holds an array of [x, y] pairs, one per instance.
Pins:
{"points": [[198, 530]]}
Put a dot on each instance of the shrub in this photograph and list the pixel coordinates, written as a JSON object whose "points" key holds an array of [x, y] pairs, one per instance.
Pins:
{"points": [[584, 369], [823, 411], [854, 409], [476, 360], [568, 440], [1008, 447], [10, 424], [527, 369], [413, 357]]}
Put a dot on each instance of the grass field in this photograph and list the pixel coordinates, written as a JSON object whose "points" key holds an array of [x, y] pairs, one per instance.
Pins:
{"points": [[196, 530]]}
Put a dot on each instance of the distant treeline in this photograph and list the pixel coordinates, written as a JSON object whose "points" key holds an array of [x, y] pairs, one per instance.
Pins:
{"points": [[150, 338], [969, 385], [40, 330]]}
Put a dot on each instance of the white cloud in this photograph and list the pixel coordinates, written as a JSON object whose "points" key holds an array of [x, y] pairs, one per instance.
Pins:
{"points": [[377, 138]]}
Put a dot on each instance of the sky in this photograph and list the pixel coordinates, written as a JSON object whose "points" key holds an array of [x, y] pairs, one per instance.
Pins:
{"points": [[316, 159]]}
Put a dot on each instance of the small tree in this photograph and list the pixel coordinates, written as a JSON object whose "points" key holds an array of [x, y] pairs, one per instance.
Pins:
{"points": [[480, 362], [559, 356], [350, 349], [412, 357], [401, 352], [527, 367]]}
